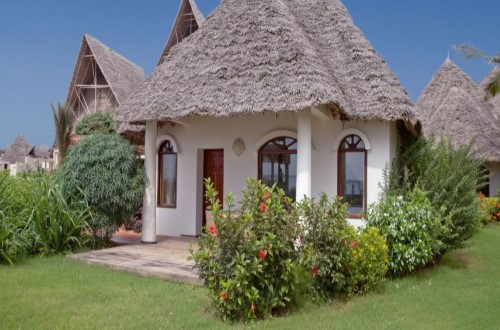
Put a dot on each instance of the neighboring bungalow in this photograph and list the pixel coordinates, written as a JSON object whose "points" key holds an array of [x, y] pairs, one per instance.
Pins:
{"points": [[290, 92], [453, 106], [22, 156], [102, 80]]}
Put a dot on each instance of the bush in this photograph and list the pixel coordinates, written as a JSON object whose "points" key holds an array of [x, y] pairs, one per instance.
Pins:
{"points": [[96, 123], [368, 262], [450, 176], [247, 257], [325, 245], [411, 227], [105, 171], [490, 209], [36, 218]]}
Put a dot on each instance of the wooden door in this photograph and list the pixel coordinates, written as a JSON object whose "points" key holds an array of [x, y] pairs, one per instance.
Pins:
{"points": [[213, 168]]}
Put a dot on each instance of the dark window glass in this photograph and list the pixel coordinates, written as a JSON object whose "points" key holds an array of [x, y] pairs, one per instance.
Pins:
{"points": [[352, 173], [278, 164]]}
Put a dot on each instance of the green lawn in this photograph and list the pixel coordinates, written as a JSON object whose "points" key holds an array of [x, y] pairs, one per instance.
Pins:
{"points": [[51, 293]]}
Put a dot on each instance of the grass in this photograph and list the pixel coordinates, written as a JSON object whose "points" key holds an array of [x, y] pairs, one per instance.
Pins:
{"points": [[50, 293]]}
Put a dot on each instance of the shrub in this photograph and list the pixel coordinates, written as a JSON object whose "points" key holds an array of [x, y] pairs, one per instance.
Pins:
{"points": [[411, 227], [105, 171], [246, 258], [368, 262], [490, 209], [325, 245], [96, 123], [450, 176], [56, 225]]}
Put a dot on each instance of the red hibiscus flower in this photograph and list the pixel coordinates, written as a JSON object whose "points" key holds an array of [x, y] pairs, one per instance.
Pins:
{"points": [[252, 308], [267, 195], [262, 254], [314, 270], [263, 207], [301, 238], [212, 229], [223, 295], [354, 244]]}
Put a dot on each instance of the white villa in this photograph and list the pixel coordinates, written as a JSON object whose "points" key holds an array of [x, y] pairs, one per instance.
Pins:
{"points": [[290, 92]]}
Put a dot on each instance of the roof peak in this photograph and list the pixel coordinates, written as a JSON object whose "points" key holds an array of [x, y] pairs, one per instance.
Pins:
{"points": [[86, 35]]}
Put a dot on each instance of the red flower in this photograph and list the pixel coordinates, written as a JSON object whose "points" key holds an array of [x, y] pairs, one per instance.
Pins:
{"points": [[262, 254], [354, 244], [252, 308], [314, 270], [212, 229], [267, 195], [301, 238], [263, 207], [223, 295], [498, 214]]}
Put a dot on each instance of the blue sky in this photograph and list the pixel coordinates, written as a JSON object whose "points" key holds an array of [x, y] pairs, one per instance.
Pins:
{"points": [[39, 42]]}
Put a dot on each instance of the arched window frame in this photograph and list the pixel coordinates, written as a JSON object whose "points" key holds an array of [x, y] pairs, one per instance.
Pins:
{"points": [[342, 150], [167, 147], [262, 152]]}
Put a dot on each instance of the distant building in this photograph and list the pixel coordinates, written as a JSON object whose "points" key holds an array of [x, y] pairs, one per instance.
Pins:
{"points": [[23, 156]]}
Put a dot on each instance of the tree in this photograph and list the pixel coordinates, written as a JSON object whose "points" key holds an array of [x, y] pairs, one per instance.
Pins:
{"points": [[97, 122], [105, 170], [63, 123], [492, 88]]}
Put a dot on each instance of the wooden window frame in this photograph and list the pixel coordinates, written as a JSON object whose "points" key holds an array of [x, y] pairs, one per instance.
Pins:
{"points": [[340, 169], [161, 153]]}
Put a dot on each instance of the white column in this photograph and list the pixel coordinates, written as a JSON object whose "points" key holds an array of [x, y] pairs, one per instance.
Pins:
{"points": [[149, 209], [304, 154]]}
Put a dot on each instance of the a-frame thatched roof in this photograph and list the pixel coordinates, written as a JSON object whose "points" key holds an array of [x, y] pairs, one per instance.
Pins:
{"points": [[122, 76], [451, 106], [18, 151], [496, 100], [188, 20], [254, 56]]}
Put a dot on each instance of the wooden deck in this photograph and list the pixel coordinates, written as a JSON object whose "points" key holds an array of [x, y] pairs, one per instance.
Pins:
{"points": [[168, 259]]}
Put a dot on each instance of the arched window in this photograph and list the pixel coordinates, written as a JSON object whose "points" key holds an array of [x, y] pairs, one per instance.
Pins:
{"points": [[167, 175], [278, 164], [352, 174]]}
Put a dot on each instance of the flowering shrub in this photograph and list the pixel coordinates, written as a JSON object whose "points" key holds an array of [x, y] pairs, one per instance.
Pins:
{"points": [[411, 228], [489, 209], [247, 257], [325, 249], [368, 262]]}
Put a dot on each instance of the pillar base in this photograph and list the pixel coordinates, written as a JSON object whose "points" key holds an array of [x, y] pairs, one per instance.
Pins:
{"points": [[143, 242]]}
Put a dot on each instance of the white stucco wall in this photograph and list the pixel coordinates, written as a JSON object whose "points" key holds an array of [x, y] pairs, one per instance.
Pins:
{"points": [[494, 169], [196, 134]]}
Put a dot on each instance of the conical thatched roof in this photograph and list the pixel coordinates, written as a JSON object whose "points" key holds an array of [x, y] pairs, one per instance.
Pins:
{"points": [[495, 102], [254, 56], [188, 20], [18, 151], [450, 106]]}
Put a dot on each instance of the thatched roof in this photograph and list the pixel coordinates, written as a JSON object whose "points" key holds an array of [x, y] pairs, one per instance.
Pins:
{"points": [[18, 151], [254, 56], [187, 21], [122, 76], [496, 100], [451, 106]]}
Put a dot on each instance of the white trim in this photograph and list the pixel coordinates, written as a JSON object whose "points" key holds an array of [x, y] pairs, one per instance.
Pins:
{"points": [[162, 138], [351, 131], [276, 134]]}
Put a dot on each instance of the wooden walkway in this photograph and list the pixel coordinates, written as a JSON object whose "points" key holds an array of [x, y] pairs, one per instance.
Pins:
{"points": [[166, 260]]}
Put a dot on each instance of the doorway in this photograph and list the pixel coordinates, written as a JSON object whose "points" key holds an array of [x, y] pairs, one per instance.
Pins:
{"points": [[213, 168]]}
